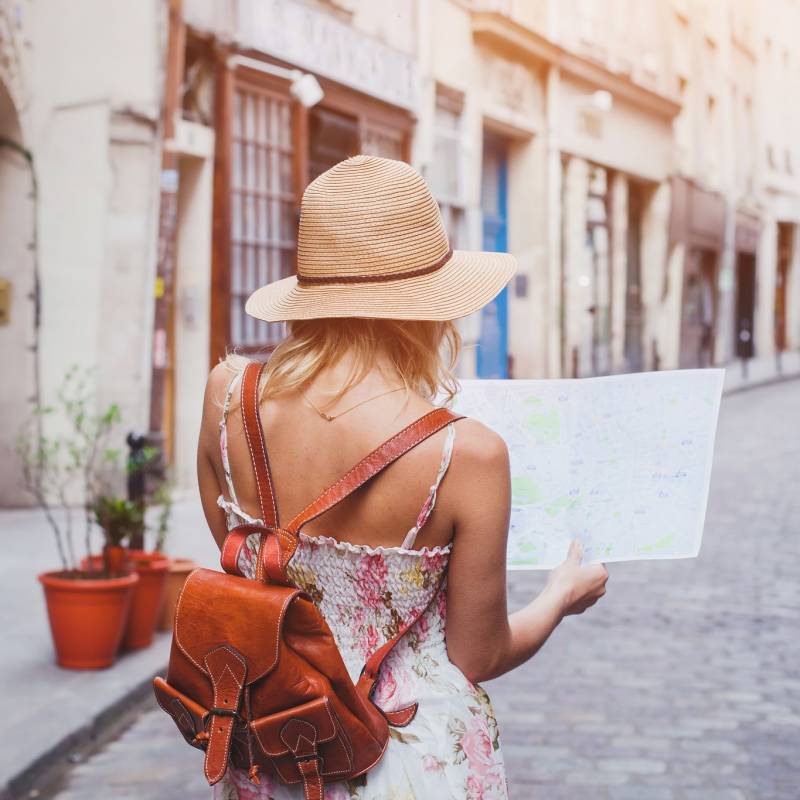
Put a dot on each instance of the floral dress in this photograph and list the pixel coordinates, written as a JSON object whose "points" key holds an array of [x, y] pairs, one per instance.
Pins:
{"points": [[451, 749]]}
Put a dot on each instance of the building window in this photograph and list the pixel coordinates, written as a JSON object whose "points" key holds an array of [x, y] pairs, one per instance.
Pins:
{"points": [[380, 140], [262, 237], [268, 149], [332, 137], [595, 348], [446, 174]]}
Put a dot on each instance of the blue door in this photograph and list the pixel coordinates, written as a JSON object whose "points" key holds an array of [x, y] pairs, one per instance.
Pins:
{"points": [[492, 353]]}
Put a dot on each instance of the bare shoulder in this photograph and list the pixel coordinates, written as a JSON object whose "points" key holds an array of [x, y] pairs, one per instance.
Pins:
{"points": [[217, 384], [216, 387], [481, 481], [477, 446]]}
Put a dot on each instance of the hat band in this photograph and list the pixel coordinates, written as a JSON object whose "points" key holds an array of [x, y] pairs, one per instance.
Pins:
{"points": [[315, 280]]}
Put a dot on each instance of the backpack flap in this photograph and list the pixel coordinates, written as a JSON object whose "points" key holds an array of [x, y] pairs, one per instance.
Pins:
{"points": [[214, 622], [216, 609]]}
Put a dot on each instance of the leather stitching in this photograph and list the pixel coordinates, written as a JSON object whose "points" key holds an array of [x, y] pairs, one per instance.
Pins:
{"points": [[246, 421], [264, 455], [246, 426], [256, 417], [260, 559], [226, 722], [317, 781], [225, 558], [274, 546], [177, 617], [280, 626], [342, 737], [400, 717], [303, 722]]}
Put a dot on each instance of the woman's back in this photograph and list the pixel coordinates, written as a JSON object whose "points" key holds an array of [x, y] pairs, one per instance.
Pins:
{"points": [[307, 453], [369, 579]]}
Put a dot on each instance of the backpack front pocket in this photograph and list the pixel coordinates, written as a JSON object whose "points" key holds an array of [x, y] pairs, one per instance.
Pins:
{"points": [[307, 731], [185, 713]]}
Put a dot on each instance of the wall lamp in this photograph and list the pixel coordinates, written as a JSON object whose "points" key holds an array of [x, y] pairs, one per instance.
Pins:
{"points": [[304, 87], [601, 100]]}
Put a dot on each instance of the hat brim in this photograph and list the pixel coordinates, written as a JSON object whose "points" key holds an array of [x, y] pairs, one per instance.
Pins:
{"points": [[468, 281]]}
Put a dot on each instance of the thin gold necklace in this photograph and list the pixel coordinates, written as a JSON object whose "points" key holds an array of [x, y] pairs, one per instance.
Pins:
{"points": [[332, 417]]}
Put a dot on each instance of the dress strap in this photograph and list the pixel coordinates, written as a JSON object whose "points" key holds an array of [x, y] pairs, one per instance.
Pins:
{"points": [[223, 440], [430, 500]]}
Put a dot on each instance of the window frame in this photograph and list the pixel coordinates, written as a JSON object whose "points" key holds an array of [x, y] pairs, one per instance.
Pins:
{"points": [[372, 115]]}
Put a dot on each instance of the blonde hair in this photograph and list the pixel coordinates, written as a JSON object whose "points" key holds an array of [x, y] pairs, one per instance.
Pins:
{"points": [[423, 353]]}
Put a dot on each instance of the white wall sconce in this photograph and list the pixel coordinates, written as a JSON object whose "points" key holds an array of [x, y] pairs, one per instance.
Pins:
{"points": [[601, 100], [304, 87]]}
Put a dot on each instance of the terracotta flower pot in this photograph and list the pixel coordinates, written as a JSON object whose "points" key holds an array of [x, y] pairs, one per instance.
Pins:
{"points": [[178, 573], [115, 560], [87, 617], [148, 598]]}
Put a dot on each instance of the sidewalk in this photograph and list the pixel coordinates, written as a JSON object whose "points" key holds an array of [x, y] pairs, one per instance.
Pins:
{"points": [[56, 712], [52, 712], [760, 371]]}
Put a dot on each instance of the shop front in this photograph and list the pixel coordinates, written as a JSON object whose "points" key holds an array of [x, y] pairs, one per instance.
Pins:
{"points": [[783, 266], [697, 223], [612, 220], [746, 247]]}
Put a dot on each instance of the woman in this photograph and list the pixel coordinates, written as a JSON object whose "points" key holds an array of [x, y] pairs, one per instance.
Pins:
{"points": [[370, 344]]}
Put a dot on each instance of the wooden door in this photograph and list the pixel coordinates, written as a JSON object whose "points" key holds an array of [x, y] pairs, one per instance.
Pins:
{"points": [[785, 231], [634, 318], [745, 304], [698, 309]]}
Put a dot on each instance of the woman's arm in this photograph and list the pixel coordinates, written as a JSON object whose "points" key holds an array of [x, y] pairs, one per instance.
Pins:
{"points": [[482, 639], [208, 450]]}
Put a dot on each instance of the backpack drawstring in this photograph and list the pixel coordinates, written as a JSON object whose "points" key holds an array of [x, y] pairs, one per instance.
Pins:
{"points": [[252, 773]]}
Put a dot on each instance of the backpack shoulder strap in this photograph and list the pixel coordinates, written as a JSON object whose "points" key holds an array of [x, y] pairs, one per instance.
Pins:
{"points": [[276, 550], [369, 466], [254, 433]]}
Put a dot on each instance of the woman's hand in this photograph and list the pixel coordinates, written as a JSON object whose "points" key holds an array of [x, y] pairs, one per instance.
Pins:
{"points": [[577, 585]]}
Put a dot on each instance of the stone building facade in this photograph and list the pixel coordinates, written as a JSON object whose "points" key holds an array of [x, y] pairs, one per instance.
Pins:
{"points": [[80, 90], [640, 159]]}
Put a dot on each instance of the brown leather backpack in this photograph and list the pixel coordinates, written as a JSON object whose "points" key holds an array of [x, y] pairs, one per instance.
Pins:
{"points": [[255, 677]]}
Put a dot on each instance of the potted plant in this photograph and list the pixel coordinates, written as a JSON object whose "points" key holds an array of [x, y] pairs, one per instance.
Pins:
{"points": [[152, 566], [122, 522], [87, 607], [119, 519], [148, 598], [179, 567]]}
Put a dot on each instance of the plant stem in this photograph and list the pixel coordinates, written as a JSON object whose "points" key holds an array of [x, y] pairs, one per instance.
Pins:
{"points": [[48, 513], [68, 527]]}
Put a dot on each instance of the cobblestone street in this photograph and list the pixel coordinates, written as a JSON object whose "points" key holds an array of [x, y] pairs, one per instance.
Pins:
{"points": [[683, 683]]}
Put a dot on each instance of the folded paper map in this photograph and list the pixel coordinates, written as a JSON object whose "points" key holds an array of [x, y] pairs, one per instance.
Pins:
{"points": [[622, 462]]}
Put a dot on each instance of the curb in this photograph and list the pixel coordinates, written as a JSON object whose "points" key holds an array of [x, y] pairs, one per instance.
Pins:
{"points": [[47, 767], [771, 381]]}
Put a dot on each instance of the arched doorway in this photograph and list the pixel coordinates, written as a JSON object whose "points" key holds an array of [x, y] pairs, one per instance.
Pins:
{"points": [[17, 298]]}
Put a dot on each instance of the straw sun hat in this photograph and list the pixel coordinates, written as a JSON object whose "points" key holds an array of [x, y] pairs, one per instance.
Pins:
{"points": [[372, 244]]}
